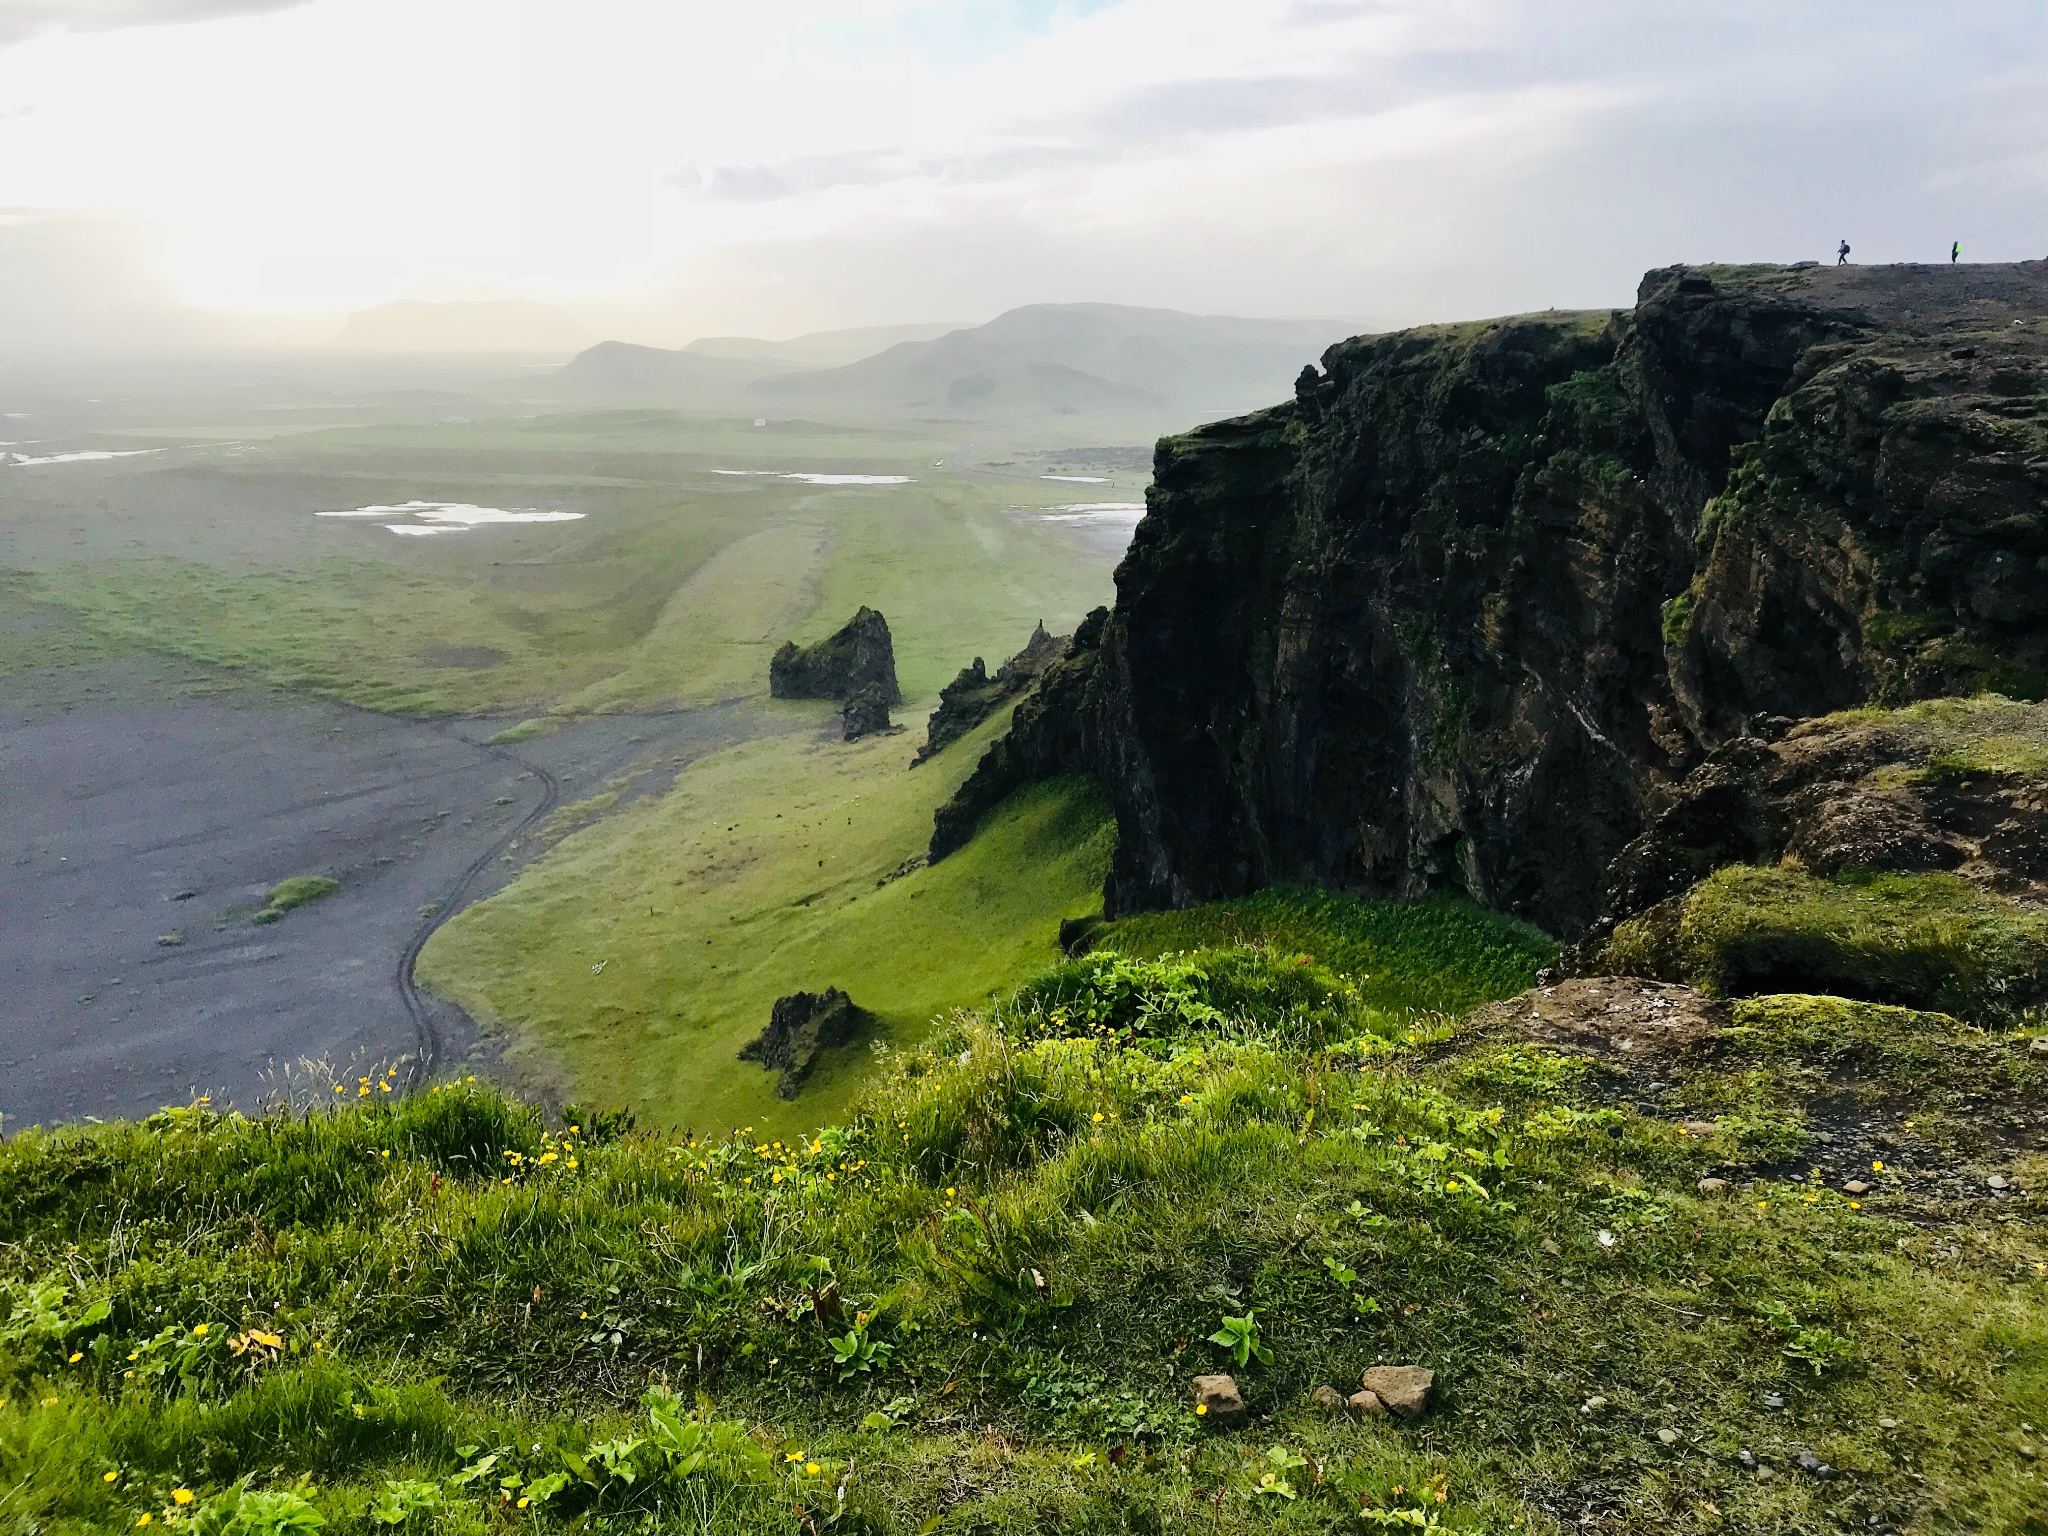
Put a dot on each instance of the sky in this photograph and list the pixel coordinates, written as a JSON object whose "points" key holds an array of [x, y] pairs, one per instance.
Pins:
{"points": [[178, 171]]}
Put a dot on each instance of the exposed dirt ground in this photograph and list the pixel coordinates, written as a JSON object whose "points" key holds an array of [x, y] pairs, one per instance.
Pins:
{"points": [[142, 833]]}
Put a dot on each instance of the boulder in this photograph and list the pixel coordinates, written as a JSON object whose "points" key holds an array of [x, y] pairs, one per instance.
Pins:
{"points": [[865, 712], [801, 1028], [1366, 1404], [1405, 1389], [1218, 1403]]}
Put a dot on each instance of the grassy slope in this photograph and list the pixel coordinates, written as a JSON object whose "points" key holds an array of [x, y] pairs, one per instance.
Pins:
{"points": [[1434, 956], [757, 876], [1040, 1231]]}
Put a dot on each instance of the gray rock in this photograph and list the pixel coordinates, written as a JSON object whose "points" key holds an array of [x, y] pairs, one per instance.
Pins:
{"points": [[865, 712], [1218, 1403], [1856, 1187], [1813, 1466], [1887, 1423], [1746, 1460], [1698, 1127], [1405, 1389], [1712, 1186], [1592, 1405], [1550, 1247], [1774, 1401], [1668, 1436], [2039, 1045], [1996, 1181]]}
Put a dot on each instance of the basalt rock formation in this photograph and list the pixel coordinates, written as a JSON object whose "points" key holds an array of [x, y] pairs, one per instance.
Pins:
{"points": [[801, 1028], [1056, 730], [865, 712], [1468, 610], [973, 696], [860, 655]]}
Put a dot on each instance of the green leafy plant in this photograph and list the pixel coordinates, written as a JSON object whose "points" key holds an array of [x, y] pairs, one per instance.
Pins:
{"points": [[402, 1498], [1274, 1480], [237, 1511], [1240, 1335], [856, 1354]]}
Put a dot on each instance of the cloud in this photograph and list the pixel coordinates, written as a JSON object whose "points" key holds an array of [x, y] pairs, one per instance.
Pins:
{"points": [[804, 164], [26, 18]]}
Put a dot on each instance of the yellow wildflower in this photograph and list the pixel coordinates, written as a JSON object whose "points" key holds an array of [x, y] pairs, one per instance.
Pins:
{"points": [[110, 1477], [181, 1495]]}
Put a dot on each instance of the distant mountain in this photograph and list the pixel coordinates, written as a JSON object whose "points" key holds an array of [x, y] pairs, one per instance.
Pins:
{"points": [[822, 349], [499, 325], [623, 371], [1066, 358]]}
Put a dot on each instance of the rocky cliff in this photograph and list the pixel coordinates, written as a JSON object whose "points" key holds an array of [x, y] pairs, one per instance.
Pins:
{"points": [[1466, 611]]}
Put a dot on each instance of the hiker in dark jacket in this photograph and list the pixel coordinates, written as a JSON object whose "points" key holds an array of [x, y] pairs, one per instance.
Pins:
{"points": [[1842, 255], [1955, 253]]}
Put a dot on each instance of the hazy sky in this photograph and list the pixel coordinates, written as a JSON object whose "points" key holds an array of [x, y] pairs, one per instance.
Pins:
{"points": [[675, 167]]}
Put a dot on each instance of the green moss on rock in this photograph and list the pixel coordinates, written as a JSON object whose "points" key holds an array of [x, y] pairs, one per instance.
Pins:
{"points": [[1929, 941]]}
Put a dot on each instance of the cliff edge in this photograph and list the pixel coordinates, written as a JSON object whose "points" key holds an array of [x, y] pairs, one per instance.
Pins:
{"points": [[1466, 612]]}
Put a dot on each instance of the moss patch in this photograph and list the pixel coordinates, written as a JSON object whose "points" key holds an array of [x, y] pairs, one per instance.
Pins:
{"points": [[1931, 941]]}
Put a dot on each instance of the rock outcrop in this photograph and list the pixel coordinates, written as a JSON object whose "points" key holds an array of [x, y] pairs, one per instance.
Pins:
{"points": [[865, 712], [860, 655], [1467, 611], [801, 1028], [1056, 730], [973, 696]]}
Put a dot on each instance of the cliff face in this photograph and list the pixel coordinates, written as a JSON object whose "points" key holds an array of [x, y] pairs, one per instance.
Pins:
{"points": [[1464, 613]]}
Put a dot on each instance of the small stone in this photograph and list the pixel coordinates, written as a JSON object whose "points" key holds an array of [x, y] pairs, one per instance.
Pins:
{"points": [[2039, 1045], [1746, 1460], [1592, 1405], [1405, 1389], [1996, 1181], [1668, 1436], [1550, 1247], [1218, 1403], [1774, 1401], [1366, 1403], [2028, 1451], [1887, 1423], [1856, 1187], [1813, 1466], [1328, 1398], [1712, 1186], [1764, 1474], [1698, 1127]]}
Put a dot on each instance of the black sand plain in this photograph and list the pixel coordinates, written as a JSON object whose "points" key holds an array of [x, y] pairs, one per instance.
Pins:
{"points": [[140, 832]]}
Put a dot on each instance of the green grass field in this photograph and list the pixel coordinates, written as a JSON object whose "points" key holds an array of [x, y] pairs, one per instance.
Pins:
{"points": [[975, 1303], [673, 590]]}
